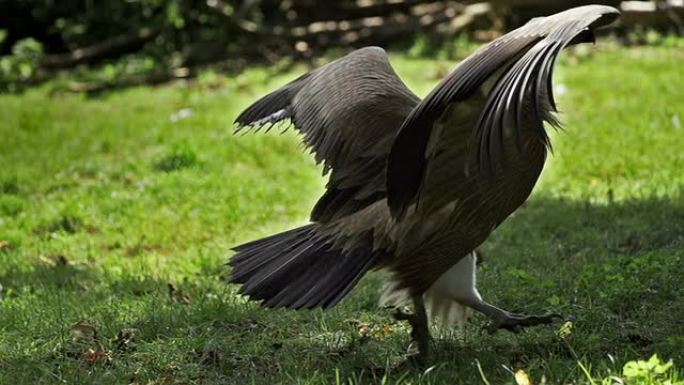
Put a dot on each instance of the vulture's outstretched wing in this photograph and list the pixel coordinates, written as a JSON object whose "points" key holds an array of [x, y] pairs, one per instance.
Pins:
{"points": [[487, 99], [349, 112]]}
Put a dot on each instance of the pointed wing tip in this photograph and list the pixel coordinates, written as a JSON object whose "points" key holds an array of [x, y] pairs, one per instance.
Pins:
{"points": [[249, 120], [595, 15], [241, 122], [608, 16], [238, 127], [603, 14]]}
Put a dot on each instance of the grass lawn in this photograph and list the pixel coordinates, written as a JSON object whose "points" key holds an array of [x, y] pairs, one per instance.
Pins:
{"points": [[117, 214]]}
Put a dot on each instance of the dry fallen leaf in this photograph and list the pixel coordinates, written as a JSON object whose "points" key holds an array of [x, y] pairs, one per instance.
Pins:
{"points": [[55, 260], [125, 339], [565, 330], [363, 329], [387, 329], [82, 330], [4, 245], [382, 331], [521, 378], [178, 295], [97, 356]]}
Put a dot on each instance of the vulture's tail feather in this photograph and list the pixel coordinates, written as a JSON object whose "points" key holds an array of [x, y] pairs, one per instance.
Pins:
{"points": [[298, 269]]}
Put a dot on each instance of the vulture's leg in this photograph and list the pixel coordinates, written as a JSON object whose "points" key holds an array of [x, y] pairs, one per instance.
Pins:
{"points": [[420, 333], [460, 284]]}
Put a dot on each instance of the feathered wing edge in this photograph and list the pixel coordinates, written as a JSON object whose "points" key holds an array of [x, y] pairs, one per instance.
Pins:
{"points": [[347, 111], [531, 76], [528, 56], [407, 160], [270, 109]]}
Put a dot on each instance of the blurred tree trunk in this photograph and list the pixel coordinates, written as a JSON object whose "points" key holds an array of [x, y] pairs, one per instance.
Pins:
{"points": [[113, 47], [307, 26]]}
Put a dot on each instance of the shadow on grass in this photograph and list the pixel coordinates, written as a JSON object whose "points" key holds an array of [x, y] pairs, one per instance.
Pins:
{"points": [[615, 268]]}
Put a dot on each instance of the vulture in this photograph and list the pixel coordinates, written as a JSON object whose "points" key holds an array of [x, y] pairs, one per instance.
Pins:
{"points": [[415, 186]]}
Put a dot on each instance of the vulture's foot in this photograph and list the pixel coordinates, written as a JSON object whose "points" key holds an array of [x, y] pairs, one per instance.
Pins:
{"points": [[420, 334], [502, 319], [517, 322]]}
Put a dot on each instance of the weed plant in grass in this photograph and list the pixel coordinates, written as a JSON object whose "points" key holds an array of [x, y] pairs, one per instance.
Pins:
{"points": [[117, 214]]}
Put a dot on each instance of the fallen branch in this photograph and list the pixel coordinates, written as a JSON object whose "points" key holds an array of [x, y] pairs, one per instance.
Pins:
{"points": [[420, 14], [109, 48], [159, 77], [349, 10]]}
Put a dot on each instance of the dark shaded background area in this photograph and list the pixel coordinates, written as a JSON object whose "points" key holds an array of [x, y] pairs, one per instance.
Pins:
{"points": [[170, 39]]}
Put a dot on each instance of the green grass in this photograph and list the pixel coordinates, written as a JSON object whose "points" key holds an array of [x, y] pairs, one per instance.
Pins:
{"points": [[105, 202]]}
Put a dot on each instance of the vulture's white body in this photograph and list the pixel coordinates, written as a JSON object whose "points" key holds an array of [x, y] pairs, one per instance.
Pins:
{"points": [[446, 301]]}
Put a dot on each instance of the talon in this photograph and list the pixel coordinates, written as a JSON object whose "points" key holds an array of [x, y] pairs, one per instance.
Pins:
{"points": [[516, 323]]}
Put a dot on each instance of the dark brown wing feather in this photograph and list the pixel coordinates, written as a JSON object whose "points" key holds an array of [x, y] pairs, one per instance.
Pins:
{"points": [[508, 71], [349, 112]]}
